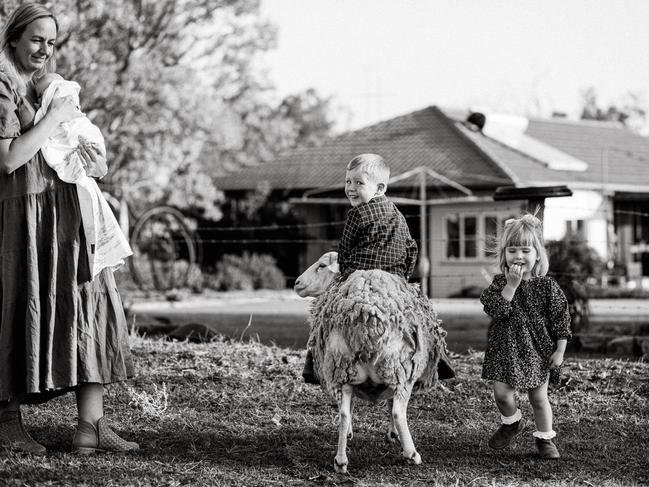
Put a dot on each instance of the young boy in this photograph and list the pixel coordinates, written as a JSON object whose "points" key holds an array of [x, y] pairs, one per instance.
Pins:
{"points": [[376, 234]]}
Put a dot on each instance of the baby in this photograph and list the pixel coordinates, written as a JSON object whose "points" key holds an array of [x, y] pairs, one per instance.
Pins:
{"points": [[63, 153], [68, 152]]}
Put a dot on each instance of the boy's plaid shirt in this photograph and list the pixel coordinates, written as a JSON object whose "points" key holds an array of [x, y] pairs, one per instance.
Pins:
{"points": [[376, 236]]}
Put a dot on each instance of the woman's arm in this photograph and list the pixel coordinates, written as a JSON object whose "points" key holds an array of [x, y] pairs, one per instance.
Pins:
{"points": [[16, 152]]}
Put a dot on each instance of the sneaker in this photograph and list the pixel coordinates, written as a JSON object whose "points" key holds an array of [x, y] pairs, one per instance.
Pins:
{"points": [[90, 439], [505, 434], [308, 374], [547, 449], [13, 435]]}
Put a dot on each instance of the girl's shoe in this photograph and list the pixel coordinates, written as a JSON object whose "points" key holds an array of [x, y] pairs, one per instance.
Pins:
{"points": [[14, 436], [547, 449], [101, 438], [505, 434]]}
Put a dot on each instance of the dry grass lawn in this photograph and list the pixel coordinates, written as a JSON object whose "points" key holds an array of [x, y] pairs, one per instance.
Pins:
{"points": [[232, 413]]}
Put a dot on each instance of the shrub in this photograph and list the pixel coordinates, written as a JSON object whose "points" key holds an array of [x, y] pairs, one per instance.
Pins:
{"points": [[245, 272], [572, 264]]}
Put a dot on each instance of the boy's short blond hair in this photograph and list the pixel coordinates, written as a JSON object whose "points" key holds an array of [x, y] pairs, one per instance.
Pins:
{"points": [[373, 165]]}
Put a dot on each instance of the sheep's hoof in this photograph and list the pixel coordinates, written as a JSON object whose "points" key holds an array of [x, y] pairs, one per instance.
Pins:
{"points": [[340, 467], [392, 436], [414, 458]]}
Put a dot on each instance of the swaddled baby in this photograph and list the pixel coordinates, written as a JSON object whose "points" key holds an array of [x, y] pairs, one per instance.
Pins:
{"points": [[67, 153]]}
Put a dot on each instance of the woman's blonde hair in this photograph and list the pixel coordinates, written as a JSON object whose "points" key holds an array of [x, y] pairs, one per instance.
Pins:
{"points": [[11, 32], [524, 231]]}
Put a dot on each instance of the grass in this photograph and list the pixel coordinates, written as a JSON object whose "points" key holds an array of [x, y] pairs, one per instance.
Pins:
{"points": [[237, 413]]}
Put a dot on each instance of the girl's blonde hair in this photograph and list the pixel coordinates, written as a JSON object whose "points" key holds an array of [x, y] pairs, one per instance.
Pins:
{"points": [[524, 231], [12, 31]]}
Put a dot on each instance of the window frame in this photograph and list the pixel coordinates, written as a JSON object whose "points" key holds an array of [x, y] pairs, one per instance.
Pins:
{"points": [[480, 235]]}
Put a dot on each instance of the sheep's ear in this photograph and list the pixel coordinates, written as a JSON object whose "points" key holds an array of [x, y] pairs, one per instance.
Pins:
{"points": [[330, 257], [335, 268]]}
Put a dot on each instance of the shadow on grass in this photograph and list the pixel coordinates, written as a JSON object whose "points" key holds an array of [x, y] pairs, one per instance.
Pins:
{"points": [[310, 451]]}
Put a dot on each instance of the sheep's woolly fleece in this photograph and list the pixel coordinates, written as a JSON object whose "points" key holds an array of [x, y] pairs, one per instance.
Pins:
{"points": [[375, 317]]}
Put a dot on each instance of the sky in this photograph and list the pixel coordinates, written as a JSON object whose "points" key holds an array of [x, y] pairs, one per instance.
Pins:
{"points": [[382, 58]]}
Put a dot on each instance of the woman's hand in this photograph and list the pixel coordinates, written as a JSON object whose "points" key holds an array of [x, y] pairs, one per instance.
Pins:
{"points": [[64, 109], [556, 360], [93, 157]]}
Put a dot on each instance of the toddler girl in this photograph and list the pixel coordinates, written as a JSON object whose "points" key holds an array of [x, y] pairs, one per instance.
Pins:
{"points": [[528, 334]]}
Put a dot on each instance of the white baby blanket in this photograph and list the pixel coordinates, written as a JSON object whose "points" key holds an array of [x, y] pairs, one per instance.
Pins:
{"points": [[103, 234]]}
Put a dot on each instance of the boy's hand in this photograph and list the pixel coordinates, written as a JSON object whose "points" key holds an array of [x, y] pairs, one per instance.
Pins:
{"points": [[556, 360]]}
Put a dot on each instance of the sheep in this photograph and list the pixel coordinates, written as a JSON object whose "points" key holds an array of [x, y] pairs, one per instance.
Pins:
{"points": [[376, 337]]}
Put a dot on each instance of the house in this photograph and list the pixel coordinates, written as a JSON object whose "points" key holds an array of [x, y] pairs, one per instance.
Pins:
{"points": [[446, 167]]}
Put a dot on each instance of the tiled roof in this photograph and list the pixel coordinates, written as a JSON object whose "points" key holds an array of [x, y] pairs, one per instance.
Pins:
{"points": [[614, 154], [422, 138], [524, 170], [442, 141]]}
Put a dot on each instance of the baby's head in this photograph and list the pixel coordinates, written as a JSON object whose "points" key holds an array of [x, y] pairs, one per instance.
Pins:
{"points": [[44, 81], [367, 176]]}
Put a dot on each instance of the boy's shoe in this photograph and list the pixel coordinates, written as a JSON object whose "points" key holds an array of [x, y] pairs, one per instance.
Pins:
{"points": [[90, 439], [307, 374], [505, 434], [13, 435], [547, 449]]}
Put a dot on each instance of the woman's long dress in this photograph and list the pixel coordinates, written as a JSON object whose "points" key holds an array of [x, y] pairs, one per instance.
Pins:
{"points": [[58, 329]]}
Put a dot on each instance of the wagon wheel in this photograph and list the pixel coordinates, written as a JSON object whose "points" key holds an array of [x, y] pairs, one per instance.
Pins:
{"points": [[164, 250]]}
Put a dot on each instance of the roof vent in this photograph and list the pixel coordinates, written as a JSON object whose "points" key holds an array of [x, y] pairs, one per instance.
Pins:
{"points": [[478, 119]]}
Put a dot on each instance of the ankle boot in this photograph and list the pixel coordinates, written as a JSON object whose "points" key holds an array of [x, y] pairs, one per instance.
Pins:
{"points": [[90, 439], [14, 436], [505, 434], [547, 449]]}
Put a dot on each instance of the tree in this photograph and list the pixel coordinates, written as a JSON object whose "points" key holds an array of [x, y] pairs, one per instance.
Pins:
{"points": [[311, 115], [175, 88], [630, 111]]}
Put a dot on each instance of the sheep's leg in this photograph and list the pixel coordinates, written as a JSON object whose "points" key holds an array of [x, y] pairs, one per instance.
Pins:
{"points": [[399, 412], [344, 426], [350, 432], [392, 434]]}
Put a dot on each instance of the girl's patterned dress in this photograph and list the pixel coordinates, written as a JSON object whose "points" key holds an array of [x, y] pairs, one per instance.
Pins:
{"points": [[58, 329], [523, 332]]}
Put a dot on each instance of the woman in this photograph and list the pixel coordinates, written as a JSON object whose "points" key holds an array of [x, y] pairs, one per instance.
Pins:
{"points": [[60, 331]]}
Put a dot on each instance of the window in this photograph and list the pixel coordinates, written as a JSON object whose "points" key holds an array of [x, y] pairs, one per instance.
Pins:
{"points": [[452, 236], [473, 236]]}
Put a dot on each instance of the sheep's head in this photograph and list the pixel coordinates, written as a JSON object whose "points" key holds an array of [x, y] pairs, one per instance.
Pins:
{"points": [[317, 278]]}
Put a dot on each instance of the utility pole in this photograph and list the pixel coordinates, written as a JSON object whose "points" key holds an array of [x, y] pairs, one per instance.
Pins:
{"points": [[424, 262]]}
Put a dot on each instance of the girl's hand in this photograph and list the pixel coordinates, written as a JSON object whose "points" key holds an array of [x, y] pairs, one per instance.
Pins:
{"points": [[556, 360], [94, 159], [514, 275], [64, 109]]}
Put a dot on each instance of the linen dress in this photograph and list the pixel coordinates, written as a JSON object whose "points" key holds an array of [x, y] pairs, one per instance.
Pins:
{"points": [[523, 332], [58, 329]]}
